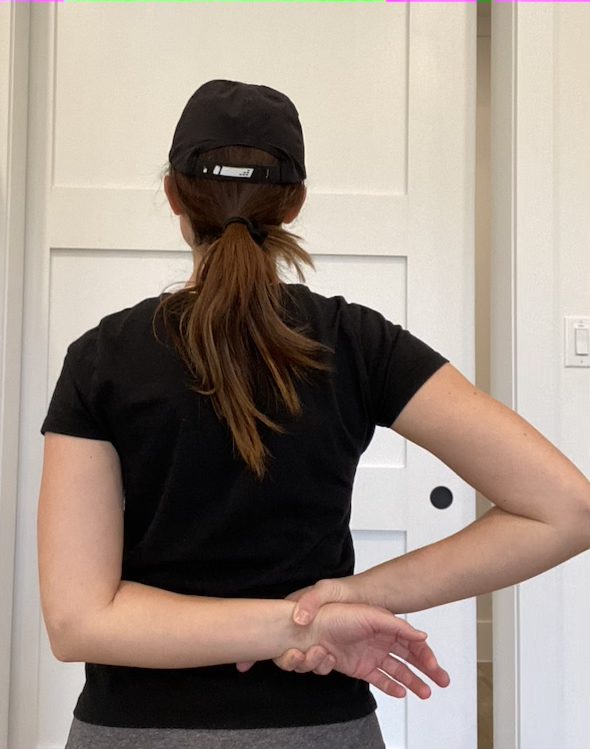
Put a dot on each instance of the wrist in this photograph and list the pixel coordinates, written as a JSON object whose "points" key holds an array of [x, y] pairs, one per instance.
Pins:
{"points": [[361, 588], [296, 635]]}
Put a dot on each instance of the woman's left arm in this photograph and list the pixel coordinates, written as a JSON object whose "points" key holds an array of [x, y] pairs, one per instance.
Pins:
{"points": [[541, 516]]}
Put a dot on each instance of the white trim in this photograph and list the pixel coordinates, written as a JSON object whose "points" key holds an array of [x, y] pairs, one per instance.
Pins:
{"points": [[14, 43], [28, 627]]}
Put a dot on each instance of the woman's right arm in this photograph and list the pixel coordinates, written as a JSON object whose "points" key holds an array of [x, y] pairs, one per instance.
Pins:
{"points": [[149, 627], [152, 628], [92, 615]]}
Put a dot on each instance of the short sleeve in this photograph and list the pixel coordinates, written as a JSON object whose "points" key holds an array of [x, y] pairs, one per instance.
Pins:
{"points": [[397, 363], [72, 409]]}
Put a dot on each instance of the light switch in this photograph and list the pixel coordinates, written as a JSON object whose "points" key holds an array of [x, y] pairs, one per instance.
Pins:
{"points": [[582, 338], [577, 341]]}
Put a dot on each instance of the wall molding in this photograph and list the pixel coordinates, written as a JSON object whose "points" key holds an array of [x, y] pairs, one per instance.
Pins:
{"points": [[14, 72]]}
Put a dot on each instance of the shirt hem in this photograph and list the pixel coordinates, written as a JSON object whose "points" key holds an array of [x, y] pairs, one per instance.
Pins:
{"points": [[325, 717]]}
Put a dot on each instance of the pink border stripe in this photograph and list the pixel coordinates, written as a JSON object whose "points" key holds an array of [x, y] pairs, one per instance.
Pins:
{"points": [[487, 2], [473, 2]]}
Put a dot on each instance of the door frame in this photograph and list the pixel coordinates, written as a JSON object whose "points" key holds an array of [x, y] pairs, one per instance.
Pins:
{"points": [[14, 72]]}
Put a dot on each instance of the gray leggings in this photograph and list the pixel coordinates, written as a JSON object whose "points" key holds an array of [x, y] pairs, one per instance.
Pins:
{"points": [[362, 733]]}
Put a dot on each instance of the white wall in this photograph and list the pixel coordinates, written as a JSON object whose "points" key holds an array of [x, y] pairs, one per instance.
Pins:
{"points": [[540, 261]]}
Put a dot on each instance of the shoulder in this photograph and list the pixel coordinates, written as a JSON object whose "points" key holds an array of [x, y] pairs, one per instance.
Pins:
{"points": [[333, 307], [115, 329], [336, 318]]}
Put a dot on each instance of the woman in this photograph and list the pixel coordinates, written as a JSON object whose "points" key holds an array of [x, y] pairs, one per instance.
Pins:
{"points": [[200, 452]]}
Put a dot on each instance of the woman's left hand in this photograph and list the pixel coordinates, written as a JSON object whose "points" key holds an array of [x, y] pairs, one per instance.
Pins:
{"points": [[320, 661], [316, 659]]}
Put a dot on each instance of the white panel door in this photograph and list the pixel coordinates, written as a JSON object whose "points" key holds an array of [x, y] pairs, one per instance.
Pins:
{"points": [[389, 122]]}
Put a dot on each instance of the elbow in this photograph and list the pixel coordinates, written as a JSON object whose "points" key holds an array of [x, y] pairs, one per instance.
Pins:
{"points": [[567, 510], [61, 640], [61, 655], [579, 528], [77, 639], [587, 516]]}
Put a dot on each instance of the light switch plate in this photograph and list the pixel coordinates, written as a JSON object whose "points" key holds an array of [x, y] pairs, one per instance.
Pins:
{"points": [[576, 326]]}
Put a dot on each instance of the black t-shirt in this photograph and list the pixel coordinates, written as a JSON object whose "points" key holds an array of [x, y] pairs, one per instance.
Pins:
{"points": [[198, 522]]}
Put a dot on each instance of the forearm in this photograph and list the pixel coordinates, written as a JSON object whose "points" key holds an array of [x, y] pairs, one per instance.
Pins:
{"points": [[497, 550], [149, 627]]}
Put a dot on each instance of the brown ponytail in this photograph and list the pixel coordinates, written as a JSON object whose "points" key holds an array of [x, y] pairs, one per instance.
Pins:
{"points": [[230, 327]]}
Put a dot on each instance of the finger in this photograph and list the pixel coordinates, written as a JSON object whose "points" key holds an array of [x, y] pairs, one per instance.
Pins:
{"points": [[427, 662], [326, 666], [245, 666], [398, 628], [308, 605], [307, 608], [405, 629], [402, 674], [385, 684], [313, 658], [420, 655], [434, 672], [290, 660]]}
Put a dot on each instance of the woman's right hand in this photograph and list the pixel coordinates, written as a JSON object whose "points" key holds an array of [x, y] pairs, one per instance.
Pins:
{"points": [[361, 639]]}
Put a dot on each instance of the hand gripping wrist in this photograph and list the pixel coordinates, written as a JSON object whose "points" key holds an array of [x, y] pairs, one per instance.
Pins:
{"points": [[351, 589]]}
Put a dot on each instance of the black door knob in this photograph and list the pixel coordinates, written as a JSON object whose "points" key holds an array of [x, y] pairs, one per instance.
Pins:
{"points": [[441, 497]]}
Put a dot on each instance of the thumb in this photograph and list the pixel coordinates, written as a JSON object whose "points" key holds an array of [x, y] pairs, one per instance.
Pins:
{"points": [[311, 601], [244, 666]]}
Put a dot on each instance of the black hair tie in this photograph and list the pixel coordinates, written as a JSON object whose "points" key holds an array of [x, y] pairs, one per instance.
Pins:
{"points": [[257, 233]]}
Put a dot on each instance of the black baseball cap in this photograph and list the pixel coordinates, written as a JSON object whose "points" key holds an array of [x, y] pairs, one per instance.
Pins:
{"points": [[232, 113]]}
